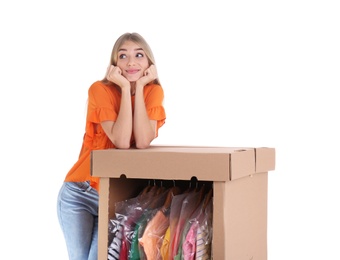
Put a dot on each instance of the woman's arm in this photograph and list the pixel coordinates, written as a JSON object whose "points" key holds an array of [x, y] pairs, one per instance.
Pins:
{"points": [[144, 129], [119, 132]]}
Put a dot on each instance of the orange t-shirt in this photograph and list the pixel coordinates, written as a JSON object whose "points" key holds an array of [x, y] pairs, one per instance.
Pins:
{"points": [[103, 105]]}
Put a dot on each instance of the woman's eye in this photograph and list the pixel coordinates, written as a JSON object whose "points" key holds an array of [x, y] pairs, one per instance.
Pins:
{"points": [[122, 56], [139, 55]]}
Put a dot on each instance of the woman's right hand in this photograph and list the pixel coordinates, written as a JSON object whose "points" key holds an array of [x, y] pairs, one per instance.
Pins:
{"points": [[114, 75]]}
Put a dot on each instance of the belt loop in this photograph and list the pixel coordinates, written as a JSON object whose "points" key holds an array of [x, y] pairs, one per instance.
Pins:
{"points": [[89, 187]]}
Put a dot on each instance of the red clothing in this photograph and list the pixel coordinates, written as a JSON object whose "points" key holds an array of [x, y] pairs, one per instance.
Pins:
{"points": [[103, 105]]}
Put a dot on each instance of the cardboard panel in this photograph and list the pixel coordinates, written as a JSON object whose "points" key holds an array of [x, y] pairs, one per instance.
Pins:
{"points": [[161, 164], [204, 163], [245, 207], [219, 222], [103, 218]]}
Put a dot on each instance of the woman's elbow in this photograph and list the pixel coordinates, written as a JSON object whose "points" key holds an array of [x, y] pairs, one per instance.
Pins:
{"points": [[142, 145], [122, 145]]}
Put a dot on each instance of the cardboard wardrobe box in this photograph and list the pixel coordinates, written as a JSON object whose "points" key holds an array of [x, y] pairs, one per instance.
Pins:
{"points": [[239, 178]]}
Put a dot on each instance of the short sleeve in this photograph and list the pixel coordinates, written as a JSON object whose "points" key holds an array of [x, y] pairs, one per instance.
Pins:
{"points": [[154, 97], [103, 104]]}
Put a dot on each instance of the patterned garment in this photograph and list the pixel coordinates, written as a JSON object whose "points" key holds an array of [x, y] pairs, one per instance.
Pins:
{"points": [[115, 246], [201, 246]]}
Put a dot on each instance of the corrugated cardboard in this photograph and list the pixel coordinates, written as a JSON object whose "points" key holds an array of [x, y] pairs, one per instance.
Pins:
{"points": [[238, 175]]}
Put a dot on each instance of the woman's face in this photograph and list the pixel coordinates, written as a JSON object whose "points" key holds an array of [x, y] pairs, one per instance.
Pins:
{"points": [[132, 61]]}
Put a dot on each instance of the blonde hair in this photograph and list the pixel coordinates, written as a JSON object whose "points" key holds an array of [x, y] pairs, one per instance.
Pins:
{"points": [[139, 40]]}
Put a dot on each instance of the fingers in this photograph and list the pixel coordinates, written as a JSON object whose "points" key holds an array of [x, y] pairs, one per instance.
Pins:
{"points": [[112, 71], [151, 72]]}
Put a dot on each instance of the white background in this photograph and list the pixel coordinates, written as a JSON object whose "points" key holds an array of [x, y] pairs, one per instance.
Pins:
{"points": [[234, 73]]}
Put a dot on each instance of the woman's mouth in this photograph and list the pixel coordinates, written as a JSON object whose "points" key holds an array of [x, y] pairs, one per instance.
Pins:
{"points": [[132, 71]]}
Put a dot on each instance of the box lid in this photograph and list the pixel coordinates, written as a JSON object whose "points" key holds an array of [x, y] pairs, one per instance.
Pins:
{"points": [[183, 162]]}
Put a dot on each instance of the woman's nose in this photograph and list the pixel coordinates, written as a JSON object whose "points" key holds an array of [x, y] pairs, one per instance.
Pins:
{"points": [[131, 61]]}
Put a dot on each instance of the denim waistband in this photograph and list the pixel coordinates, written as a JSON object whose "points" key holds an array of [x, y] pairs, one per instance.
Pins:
{"points": [[85, 185]]}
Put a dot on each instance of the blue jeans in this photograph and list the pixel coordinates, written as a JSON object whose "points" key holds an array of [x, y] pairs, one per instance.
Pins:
{"points": [[78, 217]]}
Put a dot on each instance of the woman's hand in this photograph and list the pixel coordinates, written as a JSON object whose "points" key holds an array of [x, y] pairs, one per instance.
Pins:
{"points": [[114, 75], [150, 74]]}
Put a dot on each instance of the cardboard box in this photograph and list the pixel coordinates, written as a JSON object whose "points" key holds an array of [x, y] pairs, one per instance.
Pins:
{"points": [[238, 176]]}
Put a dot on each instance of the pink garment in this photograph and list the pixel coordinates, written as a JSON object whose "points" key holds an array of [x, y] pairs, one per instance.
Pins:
{"points": [[188, 207], [189, 245]]}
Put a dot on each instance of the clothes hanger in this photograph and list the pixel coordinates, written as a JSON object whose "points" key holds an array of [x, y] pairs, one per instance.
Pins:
{"points": [[173, 191]]}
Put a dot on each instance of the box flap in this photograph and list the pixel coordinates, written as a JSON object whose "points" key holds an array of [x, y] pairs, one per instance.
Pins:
{"points": [[265, 159], [242, 163], [180, 162]]}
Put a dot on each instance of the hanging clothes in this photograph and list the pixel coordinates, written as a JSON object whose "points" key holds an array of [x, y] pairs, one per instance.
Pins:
{"points": [[188, 207], [153, 235], [187, 249], [136, 252], [165, 244], [122, 225], [152, 238], [162, 224], [204, 234]]}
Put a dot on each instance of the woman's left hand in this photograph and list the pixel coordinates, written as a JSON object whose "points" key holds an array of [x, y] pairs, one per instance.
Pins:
{"points": [[150, 74]]}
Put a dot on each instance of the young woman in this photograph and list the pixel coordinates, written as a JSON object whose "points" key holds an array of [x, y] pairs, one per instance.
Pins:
{"points": [[125, 110]]}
